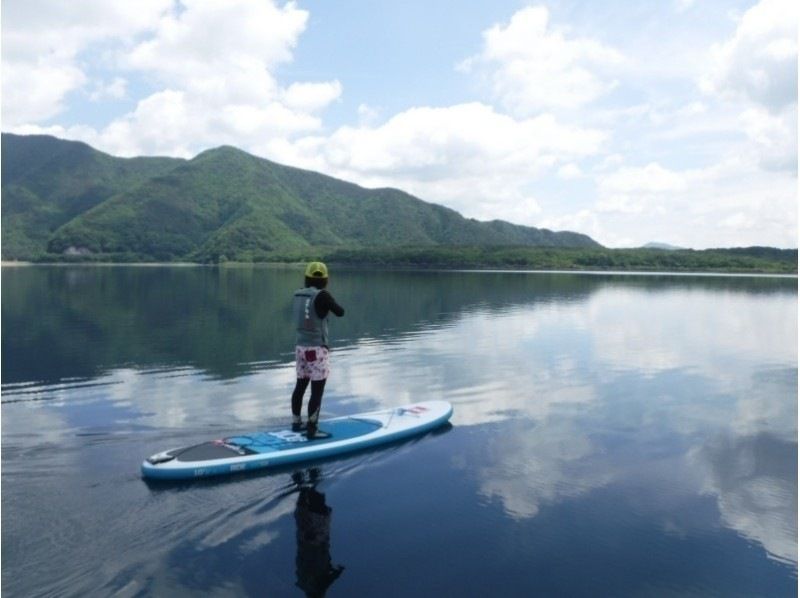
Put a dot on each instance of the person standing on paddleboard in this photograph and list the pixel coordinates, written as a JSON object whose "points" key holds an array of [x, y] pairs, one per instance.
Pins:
{"points": [[310, 308]]}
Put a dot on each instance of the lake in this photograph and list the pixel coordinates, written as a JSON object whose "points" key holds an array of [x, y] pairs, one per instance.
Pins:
{"points": [[612, 435]]}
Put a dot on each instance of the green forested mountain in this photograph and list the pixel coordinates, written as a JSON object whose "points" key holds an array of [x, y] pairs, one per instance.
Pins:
{"points": [[61, 198], [46, 182]]}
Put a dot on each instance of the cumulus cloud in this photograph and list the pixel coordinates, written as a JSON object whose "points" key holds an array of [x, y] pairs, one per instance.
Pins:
{"points": [[633, 190], [590, 221], [534, 66], [570, 171], [468, 156], [224, 47], [423, 139], [733, 202], [115, 89], [35, 92], [217, 61], [652, 178], [773, 137], [213, 65], [311, 97], [43, 39], [757, 67], [367, 115], [760, 61]]}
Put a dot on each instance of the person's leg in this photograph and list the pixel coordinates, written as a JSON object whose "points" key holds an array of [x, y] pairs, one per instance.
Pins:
{"points": [[320, 370], [297, 402], [315, 402]]}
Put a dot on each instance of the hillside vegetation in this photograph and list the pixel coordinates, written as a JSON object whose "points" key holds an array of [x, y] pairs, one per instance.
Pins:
{"points": [[66, 199], [47, 182], [734, 260]]}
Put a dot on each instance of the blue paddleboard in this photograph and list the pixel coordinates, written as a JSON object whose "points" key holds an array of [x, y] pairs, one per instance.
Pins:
{"points": [[261, 450]]}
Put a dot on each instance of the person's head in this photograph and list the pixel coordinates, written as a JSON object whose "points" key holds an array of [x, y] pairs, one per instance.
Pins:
{"points": [[317, 275]]}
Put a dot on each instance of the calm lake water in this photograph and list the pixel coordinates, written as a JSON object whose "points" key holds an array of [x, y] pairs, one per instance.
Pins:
{"points": [[612, 435]]}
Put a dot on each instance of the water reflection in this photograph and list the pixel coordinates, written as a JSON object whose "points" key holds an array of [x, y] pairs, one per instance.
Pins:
{"points": [[591, 394], [62, 322], [661, 411], [755, 481], [314, 567], [531, 465]]}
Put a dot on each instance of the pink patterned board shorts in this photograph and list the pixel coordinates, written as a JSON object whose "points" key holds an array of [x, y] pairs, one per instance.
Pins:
{"points": [[312, 362]]}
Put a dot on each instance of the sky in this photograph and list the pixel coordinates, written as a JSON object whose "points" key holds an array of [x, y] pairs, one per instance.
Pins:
{"points": [[630, 121]]}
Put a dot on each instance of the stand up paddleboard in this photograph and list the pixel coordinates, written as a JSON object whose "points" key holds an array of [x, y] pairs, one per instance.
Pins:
{"points": [[273, 449]]}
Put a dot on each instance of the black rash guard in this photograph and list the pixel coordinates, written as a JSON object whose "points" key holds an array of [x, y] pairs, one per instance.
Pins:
{"points": [[325, 303]]}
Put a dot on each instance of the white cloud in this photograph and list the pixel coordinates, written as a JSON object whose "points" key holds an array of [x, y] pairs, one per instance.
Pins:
{"points": [[467, 156], [730, 203], [610, 161], [634, 190], [773, 137], [35, 91], [42, 41], [222, 47], [311, 97], [37, 27], [367, 115], [216, 61], [623, 204], [533, 66], [652, 178], [737, 220], [570, 171], [115, 90], [760, 61], [756, 70], [422, 140], [591, 222], [213, 62]]}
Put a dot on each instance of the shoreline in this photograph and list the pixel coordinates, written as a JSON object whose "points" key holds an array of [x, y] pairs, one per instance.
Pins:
{"points": [[104, 264], [406, 268]]}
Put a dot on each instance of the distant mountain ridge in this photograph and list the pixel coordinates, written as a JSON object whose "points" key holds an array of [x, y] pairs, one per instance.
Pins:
{"points": [[64, 197], [664, 246]]}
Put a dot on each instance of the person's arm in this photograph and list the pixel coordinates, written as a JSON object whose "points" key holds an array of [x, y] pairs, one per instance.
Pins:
{"points": [[325, 303]]}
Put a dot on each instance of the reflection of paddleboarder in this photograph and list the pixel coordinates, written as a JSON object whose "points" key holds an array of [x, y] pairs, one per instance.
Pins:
{"points": [[315, 572]]}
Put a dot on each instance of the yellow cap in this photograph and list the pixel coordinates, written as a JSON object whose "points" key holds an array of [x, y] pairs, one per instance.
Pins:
{"points": [[316, 270]]}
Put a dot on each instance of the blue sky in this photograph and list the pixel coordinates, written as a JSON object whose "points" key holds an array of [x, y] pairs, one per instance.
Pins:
{"points": [[671, 121]]}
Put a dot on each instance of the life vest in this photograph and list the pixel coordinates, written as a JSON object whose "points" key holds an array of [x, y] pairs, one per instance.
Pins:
{"points": [[312, 331]]}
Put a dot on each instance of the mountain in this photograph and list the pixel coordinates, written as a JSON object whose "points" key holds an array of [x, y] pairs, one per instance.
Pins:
{"points": [[46, 182], [62, 197], [664, 246]]}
